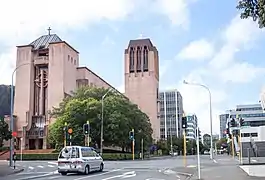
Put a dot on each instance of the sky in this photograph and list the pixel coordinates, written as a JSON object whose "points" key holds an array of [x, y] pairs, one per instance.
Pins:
{"points": [[200, 41]]}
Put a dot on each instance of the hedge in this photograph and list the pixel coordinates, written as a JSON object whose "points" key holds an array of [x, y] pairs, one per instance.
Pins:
{"points": [[54, 156]]}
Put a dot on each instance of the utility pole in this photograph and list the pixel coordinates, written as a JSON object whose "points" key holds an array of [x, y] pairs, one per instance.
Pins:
{"points": [[198, 153], [142, 144], [171, 143], [131, 137], [65, 128]]}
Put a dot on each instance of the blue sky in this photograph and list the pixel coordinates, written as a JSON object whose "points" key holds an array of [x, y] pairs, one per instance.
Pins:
{"points": [[202, 41]]}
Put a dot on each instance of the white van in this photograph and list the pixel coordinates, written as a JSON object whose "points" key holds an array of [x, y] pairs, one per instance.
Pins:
{"points": [[79, 159]]}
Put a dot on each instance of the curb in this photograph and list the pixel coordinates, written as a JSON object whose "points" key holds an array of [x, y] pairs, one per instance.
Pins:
{"points": [[16, 172]]}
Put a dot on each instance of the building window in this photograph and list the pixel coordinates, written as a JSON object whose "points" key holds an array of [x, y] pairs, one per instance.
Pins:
{"points": [[68, 57], [131, 60], [138, 52], [75, 62], [71, 59], [145, 59]]}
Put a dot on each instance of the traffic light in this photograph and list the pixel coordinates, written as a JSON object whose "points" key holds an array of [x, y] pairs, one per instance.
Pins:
{"points": [[241, 122], [131, 135], [233, 123], [184, 122], [227, 131], [86, 129]]}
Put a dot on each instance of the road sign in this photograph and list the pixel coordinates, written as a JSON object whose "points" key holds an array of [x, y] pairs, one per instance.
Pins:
{"points": [[14, 134], [70, 131]]}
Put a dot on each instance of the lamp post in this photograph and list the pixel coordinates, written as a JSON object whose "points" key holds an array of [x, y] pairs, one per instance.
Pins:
{"points": [[211, 119], [102, 120], [11, 112]]}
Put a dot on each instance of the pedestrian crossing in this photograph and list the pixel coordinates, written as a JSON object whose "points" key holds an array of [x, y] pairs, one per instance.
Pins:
{"points": [[38, 167]]}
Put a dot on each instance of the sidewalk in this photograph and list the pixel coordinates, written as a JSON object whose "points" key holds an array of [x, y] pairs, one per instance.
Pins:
{"points": [[254, 170], [225, 172], [6, 170]]}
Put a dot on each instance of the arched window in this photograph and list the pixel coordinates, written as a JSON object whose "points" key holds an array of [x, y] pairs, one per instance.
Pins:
{"points": [[131, 65], [138, 65], [145, 59]]}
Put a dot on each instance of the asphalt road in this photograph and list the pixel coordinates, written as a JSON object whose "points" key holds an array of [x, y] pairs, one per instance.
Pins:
{"points": [[223, 167]]}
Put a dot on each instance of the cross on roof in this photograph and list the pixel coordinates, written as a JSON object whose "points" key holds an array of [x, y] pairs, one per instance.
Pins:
{"points": [[49, 30]]}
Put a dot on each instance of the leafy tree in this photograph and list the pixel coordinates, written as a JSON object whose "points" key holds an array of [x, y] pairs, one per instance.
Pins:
{"points": [[178, 145], [206, 141], [120, 116], [254, 9], [5, 133], [220, 142]]}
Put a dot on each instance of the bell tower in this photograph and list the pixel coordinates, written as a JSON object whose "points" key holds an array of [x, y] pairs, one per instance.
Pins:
{"points": [[142, 79]]}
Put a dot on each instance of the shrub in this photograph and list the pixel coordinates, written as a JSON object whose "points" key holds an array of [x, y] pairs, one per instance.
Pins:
{"points": [[54, 156]]}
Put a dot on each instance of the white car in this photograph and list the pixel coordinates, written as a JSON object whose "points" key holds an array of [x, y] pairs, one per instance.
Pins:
{"points": [[79, 159]]}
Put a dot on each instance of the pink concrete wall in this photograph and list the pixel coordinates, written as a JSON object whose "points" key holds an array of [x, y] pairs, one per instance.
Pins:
{"points": [[141, 88]]}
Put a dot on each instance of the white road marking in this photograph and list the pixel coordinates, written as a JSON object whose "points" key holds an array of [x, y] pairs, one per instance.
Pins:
{"points": [[154, 179], [55, 177], [31, 167], [40, 166], [191, 166], [121, 175], [54, 163], [169, 171], [50, 166], [215, 161], [98, 174]]}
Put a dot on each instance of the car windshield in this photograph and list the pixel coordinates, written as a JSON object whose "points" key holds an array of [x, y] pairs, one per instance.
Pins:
{"points": [[68, 152]]}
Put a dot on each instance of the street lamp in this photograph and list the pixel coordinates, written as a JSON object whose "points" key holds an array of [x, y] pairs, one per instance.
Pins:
{"points": [[211, 118], [102, 120], [11, 113]]}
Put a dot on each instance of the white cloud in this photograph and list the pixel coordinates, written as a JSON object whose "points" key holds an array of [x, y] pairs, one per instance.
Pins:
{"points": [[241, 73], [26, 21], [107, 41], [196, 100], [239, 35], [176, 10], [197, 50]]}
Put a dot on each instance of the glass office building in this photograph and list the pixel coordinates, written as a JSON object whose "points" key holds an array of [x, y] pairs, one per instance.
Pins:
{"points": [[171, 113]]}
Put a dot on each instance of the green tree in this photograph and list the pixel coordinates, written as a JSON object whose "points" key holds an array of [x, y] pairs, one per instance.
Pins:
{"points": [[5, 133], [254, 9], [220, 142], [120, 117], [207, 141]]}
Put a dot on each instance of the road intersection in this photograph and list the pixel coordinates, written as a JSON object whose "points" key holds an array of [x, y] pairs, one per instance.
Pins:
{"points": [[160, 169]]}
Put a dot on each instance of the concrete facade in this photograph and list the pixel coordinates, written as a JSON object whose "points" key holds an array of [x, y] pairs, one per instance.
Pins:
{"points": [[171, 113], [47, 71], [142, 79]]}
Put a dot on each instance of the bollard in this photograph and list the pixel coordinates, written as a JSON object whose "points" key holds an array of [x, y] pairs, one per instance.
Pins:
{"points": [[249, 156]]}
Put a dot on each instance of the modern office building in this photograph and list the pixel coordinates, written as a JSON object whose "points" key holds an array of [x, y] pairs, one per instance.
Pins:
{"points": [[253, 129], [192, 123], [142, 79], [171, 113], [223, 121]]}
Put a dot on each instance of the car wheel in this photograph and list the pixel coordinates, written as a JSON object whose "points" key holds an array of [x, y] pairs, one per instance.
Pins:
{"points": [[87, 170], [63, 173], [101, 167]]}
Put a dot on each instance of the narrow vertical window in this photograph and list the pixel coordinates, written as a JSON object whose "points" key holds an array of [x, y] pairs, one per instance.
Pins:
{"points": [[145, 59], [131, 65], [138, 65]]}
